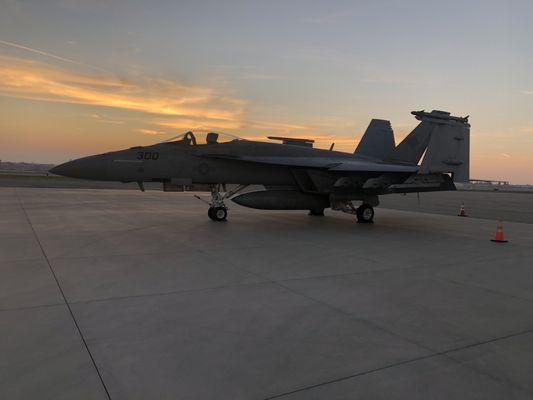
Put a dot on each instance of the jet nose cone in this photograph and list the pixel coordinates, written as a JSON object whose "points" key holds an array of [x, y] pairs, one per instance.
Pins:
{"points": [[93, 167], [60, 169]]}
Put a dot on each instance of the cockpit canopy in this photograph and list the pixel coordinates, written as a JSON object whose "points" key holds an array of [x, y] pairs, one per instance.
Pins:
{"points": [[196, 138]]}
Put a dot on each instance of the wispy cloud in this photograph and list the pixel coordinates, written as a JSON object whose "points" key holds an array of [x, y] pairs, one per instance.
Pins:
{"points": [[106, 120], [152, 132], [164, 105], [161, 106], [51, 55], [283, 127], [527, 92], [198, 123], [40, 81]]}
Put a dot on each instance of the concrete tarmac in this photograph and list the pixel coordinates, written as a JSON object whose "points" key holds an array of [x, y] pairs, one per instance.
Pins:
{"points": [[509, 206], [117, 294]]}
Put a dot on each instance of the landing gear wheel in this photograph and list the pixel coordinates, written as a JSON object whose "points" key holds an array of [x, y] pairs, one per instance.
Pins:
{"points": [[317, 212], [217, 213], [365, 214]]}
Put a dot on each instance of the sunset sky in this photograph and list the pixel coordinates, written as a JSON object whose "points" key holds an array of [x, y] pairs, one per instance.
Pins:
{"points": [[81, 77]]}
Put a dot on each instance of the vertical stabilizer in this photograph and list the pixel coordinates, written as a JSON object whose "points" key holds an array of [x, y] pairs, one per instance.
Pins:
{"points": [[449, 147], [411, 149], [445, 139], [377, 141]]}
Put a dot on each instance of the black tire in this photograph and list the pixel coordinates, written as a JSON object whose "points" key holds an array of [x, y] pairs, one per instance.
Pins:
{"points": [[317, 212], [210, 213], [365, 214], [219, 213]]}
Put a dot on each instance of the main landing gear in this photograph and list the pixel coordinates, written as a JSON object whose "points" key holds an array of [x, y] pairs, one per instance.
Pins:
{"points": [[316, 212], [218, 211], [365, 214]]}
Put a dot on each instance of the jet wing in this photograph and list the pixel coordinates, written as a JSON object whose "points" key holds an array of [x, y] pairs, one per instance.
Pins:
{"points": [[369, 166], [328, 163]]}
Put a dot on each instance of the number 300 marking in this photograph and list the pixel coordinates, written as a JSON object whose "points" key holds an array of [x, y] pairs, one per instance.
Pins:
{"points": [[147, 155]]}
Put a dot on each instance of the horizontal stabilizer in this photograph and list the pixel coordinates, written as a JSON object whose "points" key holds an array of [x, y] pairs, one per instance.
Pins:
{"points": [[418, 183]]}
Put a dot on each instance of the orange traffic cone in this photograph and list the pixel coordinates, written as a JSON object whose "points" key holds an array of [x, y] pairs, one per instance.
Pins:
{"points": [[499, 233], [462, 212]]}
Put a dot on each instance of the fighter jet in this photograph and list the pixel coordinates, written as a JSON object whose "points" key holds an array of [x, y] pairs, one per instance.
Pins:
{"points": [[295, 176]]}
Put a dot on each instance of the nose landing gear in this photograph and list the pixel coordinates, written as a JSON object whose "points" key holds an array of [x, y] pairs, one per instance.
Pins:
{"points": [[217, 209], [218, 214]]}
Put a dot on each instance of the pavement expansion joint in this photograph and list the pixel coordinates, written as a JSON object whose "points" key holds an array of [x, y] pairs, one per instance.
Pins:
{"points": [[404, 362], [93, 361], [38, 306]]}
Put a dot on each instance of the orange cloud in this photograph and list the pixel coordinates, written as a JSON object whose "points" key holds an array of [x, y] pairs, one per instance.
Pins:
{"points": [[39, 81], [163, 105], [106, 120], [168, 104], [152, 132], [197, 123], [285, 127]]}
